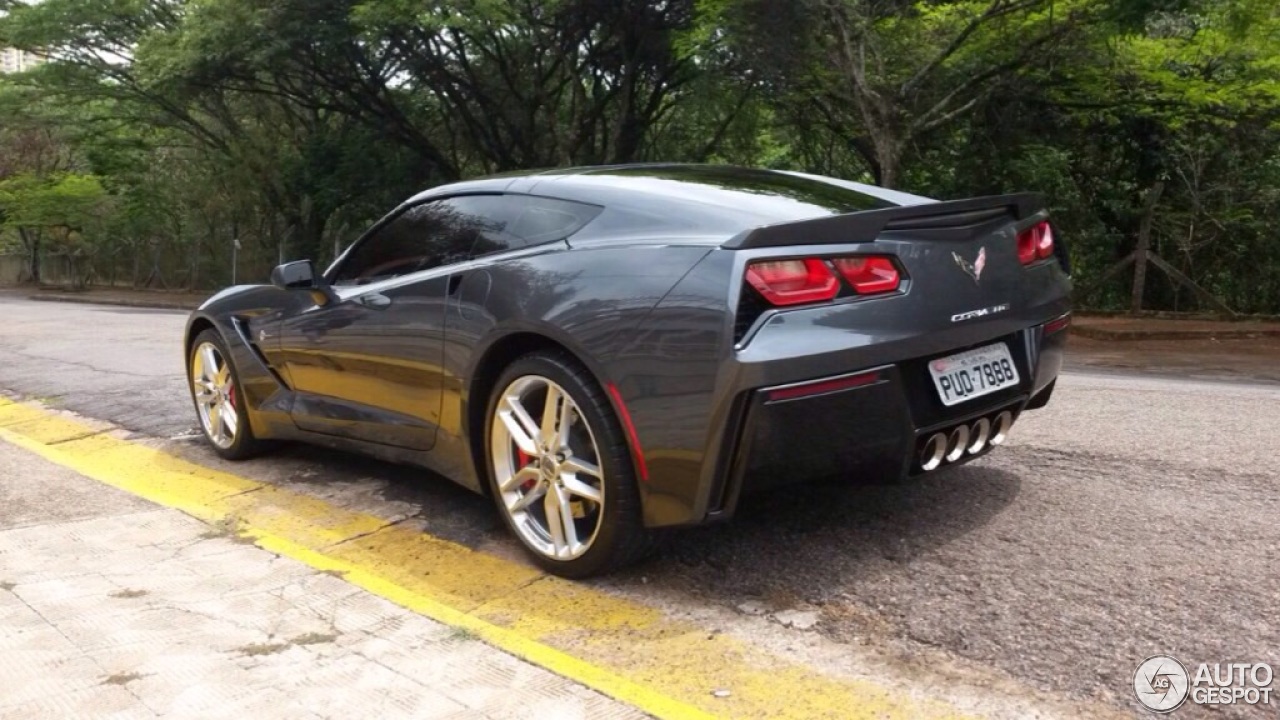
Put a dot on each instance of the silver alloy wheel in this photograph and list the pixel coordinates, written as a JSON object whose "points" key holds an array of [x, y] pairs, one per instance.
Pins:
{"points": [[553, 460], [215, 394]]}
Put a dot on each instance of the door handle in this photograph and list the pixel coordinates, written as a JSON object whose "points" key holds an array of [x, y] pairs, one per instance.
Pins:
{"points": [[455, 282], [375, 301]]}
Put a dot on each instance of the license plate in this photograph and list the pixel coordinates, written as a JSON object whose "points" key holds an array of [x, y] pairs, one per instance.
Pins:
{"points": [[972, 374]]}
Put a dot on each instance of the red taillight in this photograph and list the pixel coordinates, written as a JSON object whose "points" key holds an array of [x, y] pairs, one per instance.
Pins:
{"points": [[1058, 324], [1044, 248], [1036, 242], [870, 274], [792, 282], [821, 387]]}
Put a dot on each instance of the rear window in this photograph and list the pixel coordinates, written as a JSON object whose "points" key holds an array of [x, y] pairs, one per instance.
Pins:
{"points": [[520, 221], [540, 220]]}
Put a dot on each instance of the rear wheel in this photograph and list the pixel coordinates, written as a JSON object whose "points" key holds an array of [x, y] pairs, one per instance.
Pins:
{"points": [[560, 470], [215, 390]]}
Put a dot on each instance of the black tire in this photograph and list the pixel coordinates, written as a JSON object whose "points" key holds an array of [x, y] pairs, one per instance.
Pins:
{"points": [[621, 538], [244, 444]]}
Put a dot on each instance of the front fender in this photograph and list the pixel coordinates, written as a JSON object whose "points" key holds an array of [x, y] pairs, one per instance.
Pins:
{"points": [[241, 315]]}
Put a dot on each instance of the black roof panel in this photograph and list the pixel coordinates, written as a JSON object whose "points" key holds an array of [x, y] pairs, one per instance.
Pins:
{"points": [[676, 199]]}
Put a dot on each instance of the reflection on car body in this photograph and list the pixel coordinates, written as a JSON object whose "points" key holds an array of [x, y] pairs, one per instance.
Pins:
{"points": [[606, 351]]}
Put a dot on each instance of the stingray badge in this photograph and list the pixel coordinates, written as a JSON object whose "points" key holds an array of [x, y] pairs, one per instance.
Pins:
{"points": [[972, 269]]}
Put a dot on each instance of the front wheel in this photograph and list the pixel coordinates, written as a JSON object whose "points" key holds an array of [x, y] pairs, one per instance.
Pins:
{"points": [[220, 406], [560, 470]]}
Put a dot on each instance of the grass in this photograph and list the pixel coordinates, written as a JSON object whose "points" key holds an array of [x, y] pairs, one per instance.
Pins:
{"points": [[230, 527], [49, 401], [259, 649], [314, 638], [271, 648], [461, 634]]}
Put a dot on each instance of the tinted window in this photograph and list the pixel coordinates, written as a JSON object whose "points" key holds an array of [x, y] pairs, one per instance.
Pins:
{"points": [[427, 236], [537, 220], [457, 229]]}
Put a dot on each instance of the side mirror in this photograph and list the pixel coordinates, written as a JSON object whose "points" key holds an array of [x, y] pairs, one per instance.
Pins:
{"points": [[301, 275]]}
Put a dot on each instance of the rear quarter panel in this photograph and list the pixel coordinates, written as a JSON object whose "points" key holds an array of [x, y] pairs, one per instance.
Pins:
{"points": [[589, 300]]}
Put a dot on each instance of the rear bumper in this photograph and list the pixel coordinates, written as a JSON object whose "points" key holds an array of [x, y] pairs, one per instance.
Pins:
{"points": [[698, 402], [866, 426]]}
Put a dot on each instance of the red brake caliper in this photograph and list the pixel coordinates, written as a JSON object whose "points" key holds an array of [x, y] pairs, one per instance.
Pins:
{"points": [[524, 459], [231, 396]]}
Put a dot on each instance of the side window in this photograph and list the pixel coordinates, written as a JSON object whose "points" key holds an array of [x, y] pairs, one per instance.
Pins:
{"points": [[542, 220], [391, 250], [425, 236], [511, 222], [456, 229]]}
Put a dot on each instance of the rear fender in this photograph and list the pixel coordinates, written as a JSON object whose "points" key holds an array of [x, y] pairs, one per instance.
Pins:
{"points": [[589, 300]]}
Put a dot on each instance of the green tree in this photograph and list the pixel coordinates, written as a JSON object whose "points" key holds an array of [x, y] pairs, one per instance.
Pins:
{"points": [[68, 211], [878, 77]]}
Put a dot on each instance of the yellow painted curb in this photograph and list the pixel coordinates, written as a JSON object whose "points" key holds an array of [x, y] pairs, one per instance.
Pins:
{"points": [[667, 668]]}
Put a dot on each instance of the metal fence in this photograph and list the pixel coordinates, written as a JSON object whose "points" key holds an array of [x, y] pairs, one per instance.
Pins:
{"points": [[54, 269]]}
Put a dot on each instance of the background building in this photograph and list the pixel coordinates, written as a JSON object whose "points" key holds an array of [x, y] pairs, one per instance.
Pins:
{"points": [[12, 60]]}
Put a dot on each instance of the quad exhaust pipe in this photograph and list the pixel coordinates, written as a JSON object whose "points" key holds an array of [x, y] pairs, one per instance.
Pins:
{"points": [[1000, 427], [965, 439], [935, 449]]}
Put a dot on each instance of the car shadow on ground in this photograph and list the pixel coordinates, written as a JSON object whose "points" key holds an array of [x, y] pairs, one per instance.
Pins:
{"points": [[413, 496], [800, 543], [807, 543]]}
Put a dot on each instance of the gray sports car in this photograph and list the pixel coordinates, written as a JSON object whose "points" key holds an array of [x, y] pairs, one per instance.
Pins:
{"points": [[610, 350]]}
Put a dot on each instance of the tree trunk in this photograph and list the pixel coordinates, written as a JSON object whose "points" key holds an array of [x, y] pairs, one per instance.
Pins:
{"points": [[888, 172], [31, 241], [888, 163], [1144, 248], [306, 231], [73, 266], [626, 139], [883, 152], [195, 259]]}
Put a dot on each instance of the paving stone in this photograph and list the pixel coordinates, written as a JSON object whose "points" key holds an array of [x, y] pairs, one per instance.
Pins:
{"points": [[16, 616], [142, 613], [103, 702], [32, 673]]}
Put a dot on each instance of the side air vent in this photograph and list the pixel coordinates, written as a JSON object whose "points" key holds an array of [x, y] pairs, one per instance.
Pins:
{"points": [[242, 329]]}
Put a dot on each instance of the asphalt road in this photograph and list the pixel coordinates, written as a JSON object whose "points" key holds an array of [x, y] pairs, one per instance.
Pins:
{"points": [[1134, 516]]}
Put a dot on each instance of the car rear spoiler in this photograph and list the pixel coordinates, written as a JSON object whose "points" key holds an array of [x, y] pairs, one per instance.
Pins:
{"points": [[954, 219]]}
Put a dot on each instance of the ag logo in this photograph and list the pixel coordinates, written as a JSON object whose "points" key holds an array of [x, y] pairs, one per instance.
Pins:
{"points": [[1161, 683], [972, 269]]}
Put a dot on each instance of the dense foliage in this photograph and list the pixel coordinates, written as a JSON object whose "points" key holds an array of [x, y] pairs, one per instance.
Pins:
{"points": [[164, 133]]}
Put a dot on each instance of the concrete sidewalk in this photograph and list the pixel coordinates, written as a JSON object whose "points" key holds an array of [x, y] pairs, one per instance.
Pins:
{"points": [[112, 607]]}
